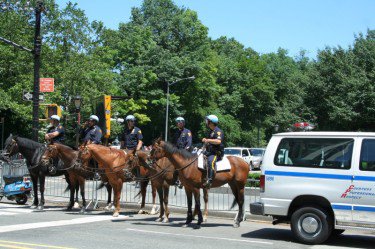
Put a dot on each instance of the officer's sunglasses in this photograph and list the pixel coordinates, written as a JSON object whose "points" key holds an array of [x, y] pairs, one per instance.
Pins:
{"points": [[179, 122]]}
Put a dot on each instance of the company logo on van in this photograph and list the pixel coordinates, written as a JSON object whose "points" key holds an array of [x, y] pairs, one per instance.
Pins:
{"points": [[353, 192]]}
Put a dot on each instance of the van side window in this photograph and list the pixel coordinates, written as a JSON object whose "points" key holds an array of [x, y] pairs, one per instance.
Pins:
{"points": [[367, 162], [245, 153], [330, 153]]}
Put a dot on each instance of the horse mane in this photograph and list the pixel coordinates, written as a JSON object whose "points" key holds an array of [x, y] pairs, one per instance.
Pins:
{"points": [[27, 143], [171, 149]]}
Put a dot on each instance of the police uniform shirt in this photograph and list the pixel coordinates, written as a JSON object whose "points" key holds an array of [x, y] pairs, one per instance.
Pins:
{"points": [[183, 139], [217, 133], [60, 129], [93, 134], [131, 138]]}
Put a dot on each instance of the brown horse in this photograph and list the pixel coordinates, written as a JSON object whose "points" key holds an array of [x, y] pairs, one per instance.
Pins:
{"points": [[77, 174], [113, 162], [192, 178], [162, 177]]}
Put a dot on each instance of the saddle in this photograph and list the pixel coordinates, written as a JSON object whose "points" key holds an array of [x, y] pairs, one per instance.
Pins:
{"points": [[222, 165]]}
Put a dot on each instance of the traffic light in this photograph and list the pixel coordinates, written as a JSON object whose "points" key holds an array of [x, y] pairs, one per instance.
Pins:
{"points": [[52, 109], [103, 111]]}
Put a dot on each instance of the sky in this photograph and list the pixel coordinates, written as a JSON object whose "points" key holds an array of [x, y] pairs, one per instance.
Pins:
{"points": [[263, 25]]}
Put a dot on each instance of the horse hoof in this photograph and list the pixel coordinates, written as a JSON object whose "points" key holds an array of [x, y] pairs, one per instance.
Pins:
{"points": [[142, 212], [40, 208], [76, 205], [158, 219], [197, 226], [69, 208], [115, 214], [205, 218], [33, 206], [236, 225], [166, 220], [185, 225]]}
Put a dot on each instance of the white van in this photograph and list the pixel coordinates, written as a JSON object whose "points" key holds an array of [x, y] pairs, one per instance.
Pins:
{"points": [[320, 182]]}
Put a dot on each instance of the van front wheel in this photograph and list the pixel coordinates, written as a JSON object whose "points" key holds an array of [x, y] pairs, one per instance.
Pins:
{"points": [[311, 225]]}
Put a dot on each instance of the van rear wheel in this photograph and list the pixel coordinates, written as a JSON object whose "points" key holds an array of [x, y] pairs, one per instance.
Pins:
{"points": [[311, 225]]}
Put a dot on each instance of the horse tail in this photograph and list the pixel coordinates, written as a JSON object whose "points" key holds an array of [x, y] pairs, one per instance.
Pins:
{"points": [[234, 203], [138, 194], [67, 188], [101, 185]]}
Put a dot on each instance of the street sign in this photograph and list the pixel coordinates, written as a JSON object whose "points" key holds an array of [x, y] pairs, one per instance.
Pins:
{"points": [[47, 85], [28, 96]]}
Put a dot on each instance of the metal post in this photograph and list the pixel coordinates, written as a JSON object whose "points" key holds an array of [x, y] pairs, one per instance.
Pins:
{"points": [[78, 125], [166, 115], [2, 132], [37, 50]]}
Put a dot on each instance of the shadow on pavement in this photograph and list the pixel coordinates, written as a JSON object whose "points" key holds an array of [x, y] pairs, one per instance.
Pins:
{"points": [[349, 241]]}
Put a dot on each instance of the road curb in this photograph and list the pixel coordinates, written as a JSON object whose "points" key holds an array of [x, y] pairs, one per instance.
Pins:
{"points": [[133, 207]]}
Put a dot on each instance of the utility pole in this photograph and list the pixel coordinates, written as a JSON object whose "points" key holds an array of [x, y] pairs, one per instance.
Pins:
{"points": [[37, 50]]}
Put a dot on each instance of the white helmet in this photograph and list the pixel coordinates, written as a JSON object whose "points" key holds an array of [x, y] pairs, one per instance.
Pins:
{"points": [[130, 117], [55, 117], [180, 119], [94, 117]]}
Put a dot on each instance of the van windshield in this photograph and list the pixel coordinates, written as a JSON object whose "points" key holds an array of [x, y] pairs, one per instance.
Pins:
{"points": [[256, 152], [232, 152], [315, 152]]}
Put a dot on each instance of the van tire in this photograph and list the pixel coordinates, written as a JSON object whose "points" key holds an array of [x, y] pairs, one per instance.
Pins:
{"points": [[311, 225]]}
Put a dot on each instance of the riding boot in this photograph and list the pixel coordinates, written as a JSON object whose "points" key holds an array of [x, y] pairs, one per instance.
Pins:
{"points": [[52, 169], [177, 182], [210, 178]]}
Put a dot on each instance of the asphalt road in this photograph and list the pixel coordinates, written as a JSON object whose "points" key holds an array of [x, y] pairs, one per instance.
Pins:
{"points": [[21, 227]]}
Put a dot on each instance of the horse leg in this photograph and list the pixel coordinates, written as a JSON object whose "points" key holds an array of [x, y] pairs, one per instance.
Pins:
{"points": [[166, 197], [81, 185], [235, 194], [143, 193], [197, 198], [160, 194], [205, 198], [153, 190], [42, 179], [117, 187], [240, 202], [109, 201], [34, 179], [189, 196], [71, 184], [77, 186]]}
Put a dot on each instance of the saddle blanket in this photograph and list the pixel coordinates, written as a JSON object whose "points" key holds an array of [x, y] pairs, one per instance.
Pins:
{"points": [[222, 165]]}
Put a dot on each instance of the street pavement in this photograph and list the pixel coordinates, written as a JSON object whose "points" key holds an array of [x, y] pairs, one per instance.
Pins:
{"points": [[21, 228]]}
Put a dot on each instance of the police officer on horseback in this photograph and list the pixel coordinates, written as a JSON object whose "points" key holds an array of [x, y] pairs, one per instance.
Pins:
{"points": [[182, 140], [55, 134], [215, 147], [56, 131], [131, 137], [91, 132], [183, 137]]}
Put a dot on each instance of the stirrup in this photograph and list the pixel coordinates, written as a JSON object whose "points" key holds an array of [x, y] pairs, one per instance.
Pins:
{"points": [[207, 184], [52, 170]]}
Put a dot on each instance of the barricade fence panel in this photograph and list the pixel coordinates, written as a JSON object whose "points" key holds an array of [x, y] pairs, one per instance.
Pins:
{"points": [[219, 199]]}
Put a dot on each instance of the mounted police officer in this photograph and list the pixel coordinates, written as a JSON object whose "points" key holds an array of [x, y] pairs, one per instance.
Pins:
{"points": [[182, 140], [55, 134], [131, 139], [91, 132], [215, 147], [183, 137]]}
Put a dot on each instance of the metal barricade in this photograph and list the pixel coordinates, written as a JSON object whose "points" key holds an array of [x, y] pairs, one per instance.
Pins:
{"points": [[220, 199]]}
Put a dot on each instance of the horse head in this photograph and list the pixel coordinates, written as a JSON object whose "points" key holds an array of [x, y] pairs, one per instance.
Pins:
{"points": [[84, 154], [49, 154], [10, 148], [157, 150]]}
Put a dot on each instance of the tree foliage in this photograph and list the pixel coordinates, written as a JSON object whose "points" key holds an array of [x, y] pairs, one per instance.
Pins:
{"points": [[248, 91]]}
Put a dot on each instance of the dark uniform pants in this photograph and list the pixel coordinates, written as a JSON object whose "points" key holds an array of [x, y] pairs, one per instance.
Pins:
{"points": [[211, 166]]}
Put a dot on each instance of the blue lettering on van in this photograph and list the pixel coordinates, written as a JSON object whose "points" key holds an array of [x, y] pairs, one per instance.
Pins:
{"points": [[270, 178]]}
